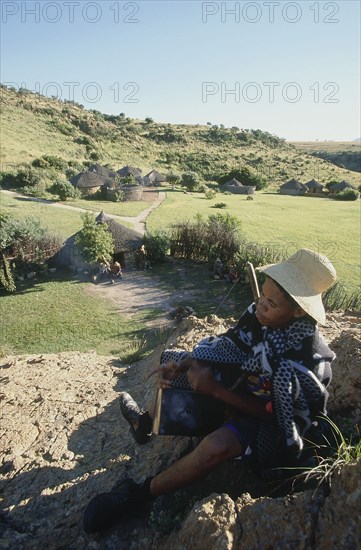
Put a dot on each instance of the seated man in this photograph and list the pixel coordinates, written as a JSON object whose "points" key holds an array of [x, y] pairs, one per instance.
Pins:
{"points": [[285, 364]]}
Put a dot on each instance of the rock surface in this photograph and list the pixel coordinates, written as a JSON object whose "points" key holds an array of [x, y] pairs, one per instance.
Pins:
{"points": [[63, 440]]}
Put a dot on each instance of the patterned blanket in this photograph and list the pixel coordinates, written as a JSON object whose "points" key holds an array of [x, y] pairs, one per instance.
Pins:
{"points": [[297, 362]]}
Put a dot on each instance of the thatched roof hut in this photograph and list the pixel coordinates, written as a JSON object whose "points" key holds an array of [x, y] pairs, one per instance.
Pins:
{"points": [[154, 178], [340, 187], [102, 170], [131, 171], [126, 240], [314, 186], [87, 182], [236, 187], [293, 187]]}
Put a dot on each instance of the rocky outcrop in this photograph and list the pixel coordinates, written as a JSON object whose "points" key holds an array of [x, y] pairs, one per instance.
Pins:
{"points": [[63, 441]]}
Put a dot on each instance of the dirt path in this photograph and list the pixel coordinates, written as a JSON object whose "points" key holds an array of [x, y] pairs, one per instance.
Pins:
{"points": [[136, 291], [150, 195]]}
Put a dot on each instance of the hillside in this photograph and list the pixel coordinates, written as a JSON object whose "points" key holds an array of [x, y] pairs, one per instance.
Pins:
{"points": [[345, 154], [33, 125]]}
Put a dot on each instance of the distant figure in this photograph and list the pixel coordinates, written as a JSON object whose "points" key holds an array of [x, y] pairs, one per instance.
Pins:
{"points": [[218, 269], [231, 275], [141, 259], [104, 269], [116, 272]]}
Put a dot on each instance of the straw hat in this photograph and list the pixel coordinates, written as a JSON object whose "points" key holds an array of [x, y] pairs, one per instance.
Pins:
{"points": [[305, 275]]}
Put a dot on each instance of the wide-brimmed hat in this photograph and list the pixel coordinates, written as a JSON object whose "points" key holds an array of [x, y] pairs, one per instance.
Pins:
{"points": [[305, 275]]}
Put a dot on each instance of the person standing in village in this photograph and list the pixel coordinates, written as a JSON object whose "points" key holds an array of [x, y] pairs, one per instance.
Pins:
{"points": [[116, 272], [284, 368]]}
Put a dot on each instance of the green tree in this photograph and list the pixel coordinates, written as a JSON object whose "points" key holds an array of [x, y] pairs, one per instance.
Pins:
{"points": [[191, 180], [95, 240], [65, 190], [244, 176]]}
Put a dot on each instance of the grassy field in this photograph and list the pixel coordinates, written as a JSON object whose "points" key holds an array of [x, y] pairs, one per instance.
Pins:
{"points": [[63, 221], [57, 314], [331, 227], [60, 221]]}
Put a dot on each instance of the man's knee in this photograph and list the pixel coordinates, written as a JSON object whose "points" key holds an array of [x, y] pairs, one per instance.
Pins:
{"points": [[218, 446]]}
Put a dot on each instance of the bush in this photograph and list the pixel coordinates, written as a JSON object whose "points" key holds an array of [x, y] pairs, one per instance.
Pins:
{"points": [[65, 190], [54, 162], [191, 180], [25, 242], [210, 194], [23, 178], [119, 196], [157, 245], [206, 240], [94, 240], [347, 195], [220, 205]]}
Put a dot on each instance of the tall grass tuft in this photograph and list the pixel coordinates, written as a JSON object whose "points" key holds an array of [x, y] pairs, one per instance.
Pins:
{"points": [[338, 298]]}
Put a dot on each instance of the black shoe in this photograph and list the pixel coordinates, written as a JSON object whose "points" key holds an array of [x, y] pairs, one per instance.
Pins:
{"points": [[108, 509], [139, 421]]}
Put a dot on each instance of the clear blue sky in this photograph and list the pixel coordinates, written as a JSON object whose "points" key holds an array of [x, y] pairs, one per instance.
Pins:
{"points": [[290, 68]]}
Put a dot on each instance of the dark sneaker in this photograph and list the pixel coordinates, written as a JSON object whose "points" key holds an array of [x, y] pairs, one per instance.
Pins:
{"points": [[107, 509], [139, 421]]}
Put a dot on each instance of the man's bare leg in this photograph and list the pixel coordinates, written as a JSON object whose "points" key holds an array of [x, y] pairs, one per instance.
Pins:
{"points": [[213, 450]]}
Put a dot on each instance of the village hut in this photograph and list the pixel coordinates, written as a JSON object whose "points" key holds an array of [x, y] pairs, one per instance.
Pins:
{"points": [[154, 178], [293, 187], [88, 182], [236, 187], [102, 171], [314, 187], [337, 187], [131, 171], [127, 241]]}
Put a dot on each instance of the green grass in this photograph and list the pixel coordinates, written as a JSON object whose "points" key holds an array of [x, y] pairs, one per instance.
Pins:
{"points": [[128, 208], [60, 220], [57, 220], [328, 226], [59, 315]]}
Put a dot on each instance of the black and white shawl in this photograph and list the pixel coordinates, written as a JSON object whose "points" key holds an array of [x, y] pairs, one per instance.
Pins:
{"points": [[298, 363]]}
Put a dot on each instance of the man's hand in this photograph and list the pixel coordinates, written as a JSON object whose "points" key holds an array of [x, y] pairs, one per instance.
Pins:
{"points": [[201, 379], [169, 371]]}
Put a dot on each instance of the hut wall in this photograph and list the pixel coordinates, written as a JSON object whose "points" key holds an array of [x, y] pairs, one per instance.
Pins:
{"points": [[87, 191], [293, 192], [246, 190], [133, 193]]}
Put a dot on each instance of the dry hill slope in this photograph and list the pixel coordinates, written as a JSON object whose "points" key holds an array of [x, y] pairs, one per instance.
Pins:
{"points": [[34, 125]]}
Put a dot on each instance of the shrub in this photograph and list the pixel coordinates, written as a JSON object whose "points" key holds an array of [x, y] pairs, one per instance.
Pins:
{"points": [[191, 180], [23, 178], [173, 178], [28, 178], [347, 195], [157, 245], [220, 205], [119, 196], [55, 162], [94, 240], [210, 194], [65, 190], [24, 242], [205, 240]]}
